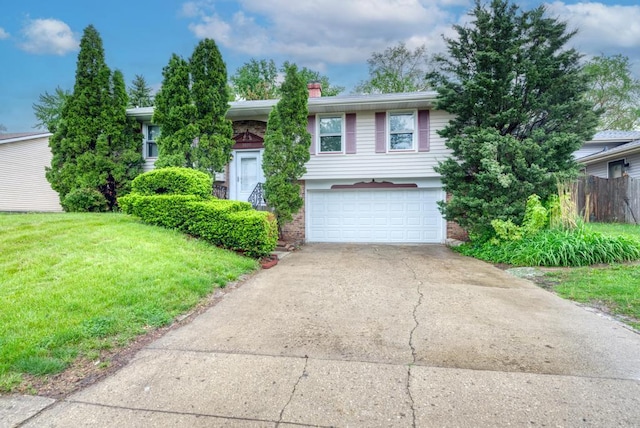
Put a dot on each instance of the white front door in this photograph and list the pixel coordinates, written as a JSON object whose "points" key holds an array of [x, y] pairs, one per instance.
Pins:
{"points": [[248, 171]]}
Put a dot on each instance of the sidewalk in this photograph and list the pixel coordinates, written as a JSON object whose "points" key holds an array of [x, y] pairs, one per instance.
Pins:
{"points": [[345, 335]]}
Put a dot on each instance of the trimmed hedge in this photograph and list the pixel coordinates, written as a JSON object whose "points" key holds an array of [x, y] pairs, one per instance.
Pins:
{"points": [[173, 181], [233, 225]]}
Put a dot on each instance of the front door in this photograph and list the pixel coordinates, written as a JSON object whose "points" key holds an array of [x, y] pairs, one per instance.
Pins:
{"points": [[248, 173]]}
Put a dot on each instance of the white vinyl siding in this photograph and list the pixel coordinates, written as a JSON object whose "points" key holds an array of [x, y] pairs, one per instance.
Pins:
{"points": [[23, 185], [601, 169], [367, 163]]}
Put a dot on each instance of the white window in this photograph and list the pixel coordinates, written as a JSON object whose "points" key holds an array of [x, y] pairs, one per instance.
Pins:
{"points": [[150, 146], [330, 134], [402, 127]]}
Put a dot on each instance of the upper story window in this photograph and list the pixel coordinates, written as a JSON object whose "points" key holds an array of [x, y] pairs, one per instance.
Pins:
{"points": [[330, 134], [401, 131], [616, 169], [151, 147]]}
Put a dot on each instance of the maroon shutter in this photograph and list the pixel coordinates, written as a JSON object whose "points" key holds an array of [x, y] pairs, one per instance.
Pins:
{"points": [[381, 132], [350, 120], [423, 130], [311, 128]]}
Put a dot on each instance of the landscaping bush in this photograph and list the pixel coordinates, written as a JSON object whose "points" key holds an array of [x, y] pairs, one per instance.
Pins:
{"points": [[170, 211], [84, 200], [173, 181], [557, 247]]}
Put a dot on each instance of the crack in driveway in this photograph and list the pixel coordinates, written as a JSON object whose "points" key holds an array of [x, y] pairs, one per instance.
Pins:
{"points": [[293, 392]]}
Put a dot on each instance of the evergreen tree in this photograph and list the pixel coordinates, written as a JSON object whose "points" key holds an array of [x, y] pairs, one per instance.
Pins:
{"points": [[88, 149], [175, 114], [140, 93], [517, 93], [209, 93], [286, 147]]}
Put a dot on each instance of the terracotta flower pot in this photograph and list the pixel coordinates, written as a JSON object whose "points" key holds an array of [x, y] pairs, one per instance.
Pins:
{"points": [[269, 261]]}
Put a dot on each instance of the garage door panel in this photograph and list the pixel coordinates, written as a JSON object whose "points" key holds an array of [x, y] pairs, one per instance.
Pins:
{"points": [[374, 216]]}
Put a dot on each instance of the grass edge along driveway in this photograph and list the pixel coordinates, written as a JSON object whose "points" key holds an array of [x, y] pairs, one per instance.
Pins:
{"points": [[73, 285]]}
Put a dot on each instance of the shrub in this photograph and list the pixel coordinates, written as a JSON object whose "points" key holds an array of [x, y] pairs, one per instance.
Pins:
{"points": [[170, 211], [84, 200], [254, 232], [173, 181]]}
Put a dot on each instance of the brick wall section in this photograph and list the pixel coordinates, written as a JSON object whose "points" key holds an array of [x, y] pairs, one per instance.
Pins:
{"points": [[454, 230], [254, 126], [294, 230]]}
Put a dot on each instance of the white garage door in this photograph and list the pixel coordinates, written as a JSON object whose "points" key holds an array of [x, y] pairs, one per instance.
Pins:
{"points": [[393, 216]]}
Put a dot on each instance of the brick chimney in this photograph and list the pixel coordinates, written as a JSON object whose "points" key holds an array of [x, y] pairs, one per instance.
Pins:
{"points": [[315, 89]]}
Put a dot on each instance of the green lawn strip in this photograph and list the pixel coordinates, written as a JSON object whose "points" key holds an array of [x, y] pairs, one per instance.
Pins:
{"points": [[617, 229], [615, 287], [73, 284]]}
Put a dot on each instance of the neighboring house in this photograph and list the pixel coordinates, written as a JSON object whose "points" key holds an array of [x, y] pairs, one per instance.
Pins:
{"points": [[371, 174], [23, 185], [611, 154]]}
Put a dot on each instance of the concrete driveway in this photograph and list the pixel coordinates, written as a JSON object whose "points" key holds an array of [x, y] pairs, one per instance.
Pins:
{"points": [[371, 335]]}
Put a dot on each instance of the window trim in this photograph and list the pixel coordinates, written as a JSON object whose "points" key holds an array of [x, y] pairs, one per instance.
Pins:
{"points": [[620, 162], [147, 141], [343, 134], [414, 131]]}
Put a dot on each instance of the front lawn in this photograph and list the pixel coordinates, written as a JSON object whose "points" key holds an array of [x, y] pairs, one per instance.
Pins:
{"points": [[72, 285], [613, 288]]}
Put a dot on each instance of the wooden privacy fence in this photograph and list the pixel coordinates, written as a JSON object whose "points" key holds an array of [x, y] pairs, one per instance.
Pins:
{"points": [[608, 199]]}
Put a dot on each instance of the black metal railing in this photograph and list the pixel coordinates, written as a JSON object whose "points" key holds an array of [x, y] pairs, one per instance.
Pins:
{"points": [[256, 199]]}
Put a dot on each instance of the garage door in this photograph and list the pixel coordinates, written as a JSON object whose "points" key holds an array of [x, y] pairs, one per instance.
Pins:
{"points": [[392, 216]]}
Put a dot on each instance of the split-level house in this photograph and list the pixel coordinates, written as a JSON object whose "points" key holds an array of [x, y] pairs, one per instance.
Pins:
{"points": [[371, 174]]}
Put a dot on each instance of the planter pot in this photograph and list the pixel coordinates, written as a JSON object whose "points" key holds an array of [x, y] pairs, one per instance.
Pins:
{"points": [[269, 261]]}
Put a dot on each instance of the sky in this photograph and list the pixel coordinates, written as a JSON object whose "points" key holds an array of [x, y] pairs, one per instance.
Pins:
{"points": [[39, 40]]}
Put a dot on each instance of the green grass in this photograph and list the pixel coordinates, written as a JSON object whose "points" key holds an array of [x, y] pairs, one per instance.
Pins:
{"points": [[615, 287], [72, 285]]}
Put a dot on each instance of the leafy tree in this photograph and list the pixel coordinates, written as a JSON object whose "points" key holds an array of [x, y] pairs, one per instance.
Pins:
{"points": [[2, 128], [140, 93], [92, 149], [175, 114], [256, 80], [614, 92], [517, 93], [211, 99], [259, 80], [286, 147], [397, 69], [48, 109]]}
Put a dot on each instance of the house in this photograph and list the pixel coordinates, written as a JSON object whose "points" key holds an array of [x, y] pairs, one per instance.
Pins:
{"points": [[611, 154], [371, 174], [23, 185]]}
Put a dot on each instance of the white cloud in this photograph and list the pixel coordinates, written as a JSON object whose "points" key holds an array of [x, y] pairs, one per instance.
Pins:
{"points": [[3, 34], [331, 31], [48, 36]]}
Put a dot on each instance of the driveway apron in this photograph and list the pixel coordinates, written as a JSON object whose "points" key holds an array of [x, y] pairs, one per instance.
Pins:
{"points": [[374, 335]]}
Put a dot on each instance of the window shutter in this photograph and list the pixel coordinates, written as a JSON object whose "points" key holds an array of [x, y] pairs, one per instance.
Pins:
{"points": [[381, 132], [311, 128], [350, 124], [423, 130]]}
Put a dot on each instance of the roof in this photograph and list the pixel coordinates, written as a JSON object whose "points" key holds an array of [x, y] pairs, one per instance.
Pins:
{"points": [[22, 136], [623, 149], [341, 103], [615, 136]]}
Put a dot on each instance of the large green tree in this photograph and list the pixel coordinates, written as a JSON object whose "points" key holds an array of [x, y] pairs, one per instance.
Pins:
{"points": [[91, 151], [191, 109], [209, 94], [286, 147], [140, 93], [396, 69], [614, 92], [48, 109], [517, 92]]}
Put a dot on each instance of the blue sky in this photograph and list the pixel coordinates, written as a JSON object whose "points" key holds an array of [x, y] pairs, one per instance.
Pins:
{"points": [[39, 40]]}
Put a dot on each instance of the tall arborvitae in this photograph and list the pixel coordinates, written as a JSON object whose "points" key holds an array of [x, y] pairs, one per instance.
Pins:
{"points": [[517, 93], [209, 93], [175, 113], [286, 147], [83, 146]]}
